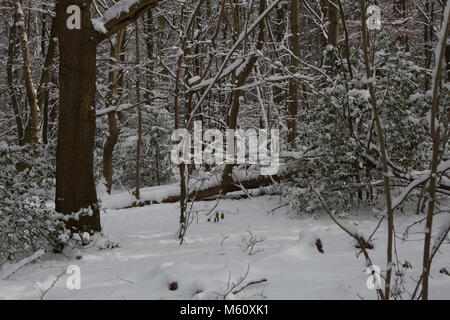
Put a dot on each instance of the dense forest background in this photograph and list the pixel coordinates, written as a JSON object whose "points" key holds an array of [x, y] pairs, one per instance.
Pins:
{"points": [[363, 113]]}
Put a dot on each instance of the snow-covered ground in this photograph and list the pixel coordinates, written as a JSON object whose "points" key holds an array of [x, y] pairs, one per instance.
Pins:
{"points": [[149, 257]]}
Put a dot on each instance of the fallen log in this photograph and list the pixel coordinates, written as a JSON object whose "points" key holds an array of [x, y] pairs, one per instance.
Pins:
{"points": [[214, 191], [201, 187]]}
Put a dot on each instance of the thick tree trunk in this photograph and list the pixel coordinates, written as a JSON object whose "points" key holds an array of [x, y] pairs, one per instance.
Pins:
{"points": [[75, 185]]}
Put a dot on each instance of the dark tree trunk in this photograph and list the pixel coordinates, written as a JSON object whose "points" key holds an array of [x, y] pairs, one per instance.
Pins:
{"points": [[293, 84], [45, 119], [108, 148], [114, 128], [75, 185], [334, 25]]}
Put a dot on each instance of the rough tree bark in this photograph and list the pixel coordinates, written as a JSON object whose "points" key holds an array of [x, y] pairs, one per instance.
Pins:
{"points": [[75, 184]]}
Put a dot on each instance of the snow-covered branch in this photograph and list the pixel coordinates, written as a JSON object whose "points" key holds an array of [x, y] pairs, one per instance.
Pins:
{"points": [[119, 15]]}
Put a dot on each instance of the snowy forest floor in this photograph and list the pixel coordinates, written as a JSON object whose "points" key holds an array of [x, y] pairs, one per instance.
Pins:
{"points": [[149, 257]]}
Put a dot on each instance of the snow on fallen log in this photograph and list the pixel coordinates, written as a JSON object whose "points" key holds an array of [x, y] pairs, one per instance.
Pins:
{"points": [[17, 266], [201, 187]]}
